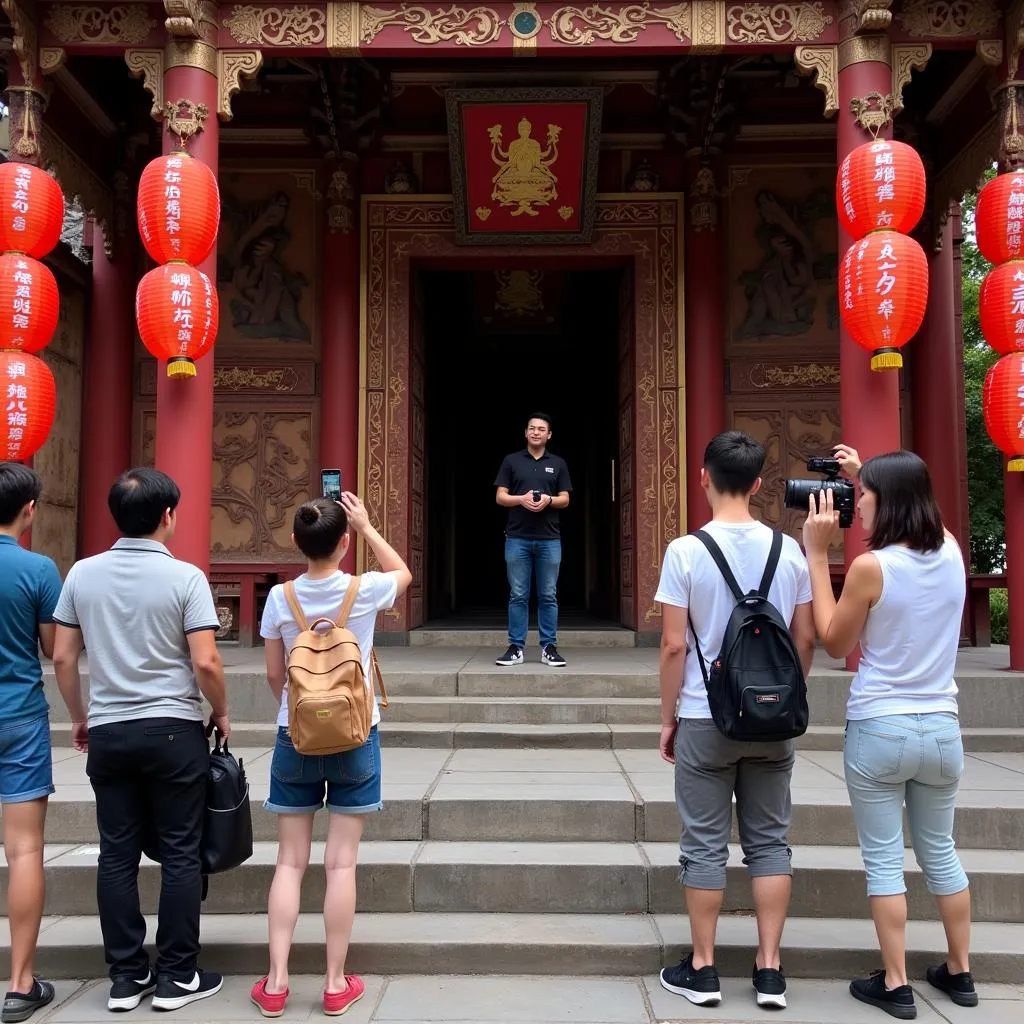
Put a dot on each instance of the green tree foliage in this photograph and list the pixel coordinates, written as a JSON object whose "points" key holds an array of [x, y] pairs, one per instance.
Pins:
{"points": [[984, 460]]}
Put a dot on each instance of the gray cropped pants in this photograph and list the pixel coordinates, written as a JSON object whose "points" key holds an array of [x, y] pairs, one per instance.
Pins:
{"points": [[710, 769]]}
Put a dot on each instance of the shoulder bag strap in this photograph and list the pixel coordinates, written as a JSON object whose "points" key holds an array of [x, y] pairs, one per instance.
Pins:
{"points": [[773, 564], [293, 602], [350, 599], [723, 566], [375, 674]]}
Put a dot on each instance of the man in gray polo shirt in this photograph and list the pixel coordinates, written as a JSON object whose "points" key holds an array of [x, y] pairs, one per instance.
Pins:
{"points": [[149, 624]]}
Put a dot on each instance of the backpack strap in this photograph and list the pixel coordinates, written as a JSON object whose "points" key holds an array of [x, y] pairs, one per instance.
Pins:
{"points": [[375, 674], [773, 564], [293, 602], [723, 566], [350, 599]]}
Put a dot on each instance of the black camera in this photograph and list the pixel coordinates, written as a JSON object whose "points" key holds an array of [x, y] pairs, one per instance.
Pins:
{"points": [[798, 492]]}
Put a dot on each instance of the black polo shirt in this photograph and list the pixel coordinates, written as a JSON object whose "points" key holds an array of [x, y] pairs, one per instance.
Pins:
{"points": [[521, 473]]}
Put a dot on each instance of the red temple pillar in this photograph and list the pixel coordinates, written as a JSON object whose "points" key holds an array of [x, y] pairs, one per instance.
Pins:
{"points": [[339, 355], [107, 392], [705, 335], [184, 407], [869, 401]]}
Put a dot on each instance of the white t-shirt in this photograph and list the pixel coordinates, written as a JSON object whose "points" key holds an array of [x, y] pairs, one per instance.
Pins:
{"points": [[377, 591], [909, 645], [690, 579]]}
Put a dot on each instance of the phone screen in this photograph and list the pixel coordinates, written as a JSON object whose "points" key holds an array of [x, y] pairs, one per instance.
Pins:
{"points": [[330, 483]]}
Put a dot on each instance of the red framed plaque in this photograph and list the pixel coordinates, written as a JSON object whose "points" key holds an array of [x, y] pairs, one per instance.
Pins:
{"points": [[524, 164]]}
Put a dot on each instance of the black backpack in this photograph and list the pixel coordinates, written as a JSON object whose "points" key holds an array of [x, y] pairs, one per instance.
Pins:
{"points": [[227, 828], [756, 688]]}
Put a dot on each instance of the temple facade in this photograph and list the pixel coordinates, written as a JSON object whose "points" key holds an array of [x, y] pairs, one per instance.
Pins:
{"points": [[437, 219]]}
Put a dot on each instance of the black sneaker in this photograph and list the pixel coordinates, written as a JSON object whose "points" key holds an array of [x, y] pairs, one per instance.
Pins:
{"points": [[127, 993], [19, 1006], [770, 986], [897, 1002], [550, 656], [959, 987], [172, 994], [513, 656], [701, 987]]}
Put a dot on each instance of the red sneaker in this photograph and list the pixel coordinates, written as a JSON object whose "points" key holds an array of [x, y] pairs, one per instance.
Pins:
{"points": [[336, 1003], [271, 1004]]}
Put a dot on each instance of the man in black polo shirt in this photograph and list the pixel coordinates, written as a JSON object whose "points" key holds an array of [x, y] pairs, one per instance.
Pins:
{"points": [[533, 484]]}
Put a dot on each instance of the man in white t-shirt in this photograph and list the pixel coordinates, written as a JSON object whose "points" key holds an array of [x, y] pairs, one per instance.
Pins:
{"points": [[709, 768]]}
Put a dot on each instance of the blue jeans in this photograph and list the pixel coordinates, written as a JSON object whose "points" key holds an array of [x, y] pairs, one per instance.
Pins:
{"points": [[26, 761], [523, 559], [914, 758]]}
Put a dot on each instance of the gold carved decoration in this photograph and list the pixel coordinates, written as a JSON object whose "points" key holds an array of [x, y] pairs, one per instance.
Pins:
{"points": [[126, 23], [191, 53], [906, 58], [343, 29], [945, 19], [519, 293], [341, 198], [704, 201], [468, 26], [581, 26], [52, 59], [251, 378], [277, 26], [872, 112], [25, 114], [524, 178], [186, 119], [872, 15], [708, 26], [858, 49], [524, 39], [77, 179], [1011, 141], [776, 23], [231, 66], [990, 52], [185, 17], [823, 63], [149, 66], [24, 41], [797, 375]]}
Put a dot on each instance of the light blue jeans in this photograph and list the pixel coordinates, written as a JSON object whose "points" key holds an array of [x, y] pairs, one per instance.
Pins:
{"points": [[525, 559], [918, 759]]}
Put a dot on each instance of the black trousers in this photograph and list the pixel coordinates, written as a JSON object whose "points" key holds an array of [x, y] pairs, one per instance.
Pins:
{"points": [[149, 776]]}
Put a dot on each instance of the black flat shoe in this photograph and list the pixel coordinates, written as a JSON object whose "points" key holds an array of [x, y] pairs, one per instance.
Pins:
{"points": [[897, 1002], [19, 1006], [959, 987]]}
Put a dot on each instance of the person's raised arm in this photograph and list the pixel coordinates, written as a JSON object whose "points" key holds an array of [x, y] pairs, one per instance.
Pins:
{"points": [[390, 560]]}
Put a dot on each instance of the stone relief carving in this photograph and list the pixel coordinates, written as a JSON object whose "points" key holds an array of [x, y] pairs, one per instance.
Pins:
{"points": [[776, 23], [274, 26], [126, 23]]}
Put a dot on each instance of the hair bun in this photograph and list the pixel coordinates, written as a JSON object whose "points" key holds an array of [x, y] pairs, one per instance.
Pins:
{"points": [[309, 514]]}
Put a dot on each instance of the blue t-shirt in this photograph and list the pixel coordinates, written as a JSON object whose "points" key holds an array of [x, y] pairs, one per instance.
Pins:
{"points": [[29, 588]]}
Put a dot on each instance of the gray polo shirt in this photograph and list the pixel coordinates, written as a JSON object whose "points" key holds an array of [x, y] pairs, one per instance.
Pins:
{"points": [[135, 605]]}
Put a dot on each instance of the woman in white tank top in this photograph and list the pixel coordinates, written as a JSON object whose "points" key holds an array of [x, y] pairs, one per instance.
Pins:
{"points": [[902, 601]]}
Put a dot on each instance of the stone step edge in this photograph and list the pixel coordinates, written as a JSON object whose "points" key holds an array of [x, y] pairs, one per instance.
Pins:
{"points": [[543, 944]]}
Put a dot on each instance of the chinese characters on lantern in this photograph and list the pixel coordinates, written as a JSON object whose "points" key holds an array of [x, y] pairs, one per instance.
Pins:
{"points": [[172, 206], [885, 265], [880, 185], [22, 182], [181, 300], [17, 410]]}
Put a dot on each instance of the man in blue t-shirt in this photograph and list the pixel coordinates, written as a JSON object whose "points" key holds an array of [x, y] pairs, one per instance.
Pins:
{"points": [[29, 588]]}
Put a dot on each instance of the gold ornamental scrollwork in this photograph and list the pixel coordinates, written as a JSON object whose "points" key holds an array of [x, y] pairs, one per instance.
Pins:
{"points": [[467, 26], [823, 63], [52, 59], [858, 49], [231, 66], [193, 53], [707, 26], [947, 19], [149, 66], [126, 23], [776, 23], [186, 119], [906, 59], [251, 378], [581, 26], [990, 52], [872, 112], [277, 26], [872, 15], [797, 375], [185, 18], [343, 29]]}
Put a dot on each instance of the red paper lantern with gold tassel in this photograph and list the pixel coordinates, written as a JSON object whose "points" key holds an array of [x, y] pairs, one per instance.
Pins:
{"points": [[880, 186], [31, 210], [999, 218], [1003, 405], [29, 303], [178, 209], [30, 403], [177, 310], [883, 294]]}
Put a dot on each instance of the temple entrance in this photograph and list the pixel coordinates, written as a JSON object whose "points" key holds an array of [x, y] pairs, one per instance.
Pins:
{"points": [[499, 344]]}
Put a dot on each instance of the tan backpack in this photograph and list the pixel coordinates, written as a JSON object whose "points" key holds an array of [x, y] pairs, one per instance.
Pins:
{"points": [[330, 707]]}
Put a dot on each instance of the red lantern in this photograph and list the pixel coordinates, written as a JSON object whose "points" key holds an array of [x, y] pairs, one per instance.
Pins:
{"points": [[177, 310], [883, 292], [178, 209], [1003, 402], [880, 186], [30, 402], [29, 303], [1001, 305], [31, 210], [999, 218]]}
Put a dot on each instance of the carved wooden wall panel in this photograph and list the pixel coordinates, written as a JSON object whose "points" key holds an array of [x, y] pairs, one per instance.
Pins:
{"points": [[55, 531]]}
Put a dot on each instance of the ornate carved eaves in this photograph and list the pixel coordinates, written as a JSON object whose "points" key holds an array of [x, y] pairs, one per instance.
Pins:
{"points": [[122, 24], [186, 18], [25, 41], [906, 59], [1014, 35], [823, 63], [231, 66], [872, 15], [990, 52], [928, 19], [149, 66], [52, 59], [962, 174]]}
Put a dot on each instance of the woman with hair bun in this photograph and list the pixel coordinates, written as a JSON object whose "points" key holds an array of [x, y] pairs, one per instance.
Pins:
{"points": [[350, 782], [902, 601]]}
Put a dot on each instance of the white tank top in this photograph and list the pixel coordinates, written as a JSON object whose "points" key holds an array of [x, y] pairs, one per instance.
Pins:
{"points": [[910, 639]]}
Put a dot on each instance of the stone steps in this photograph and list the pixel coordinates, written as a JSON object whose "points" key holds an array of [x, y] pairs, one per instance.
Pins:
{"points": [[537, 878], [540, 944], [497, 639]]}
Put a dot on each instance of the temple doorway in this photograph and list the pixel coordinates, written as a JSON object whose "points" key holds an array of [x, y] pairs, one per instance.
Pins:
{"points": [[498, 345]]}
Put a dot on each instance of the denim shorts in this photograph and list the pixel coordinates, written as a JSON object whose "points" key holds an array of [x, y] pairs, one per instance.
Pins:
{"points": [[26, 762], [350, 781]]}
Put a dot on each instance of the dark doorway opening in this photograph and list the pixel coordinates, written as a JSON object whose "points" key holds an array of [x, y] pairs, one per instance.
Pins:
{"points": [[498, 346]]}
